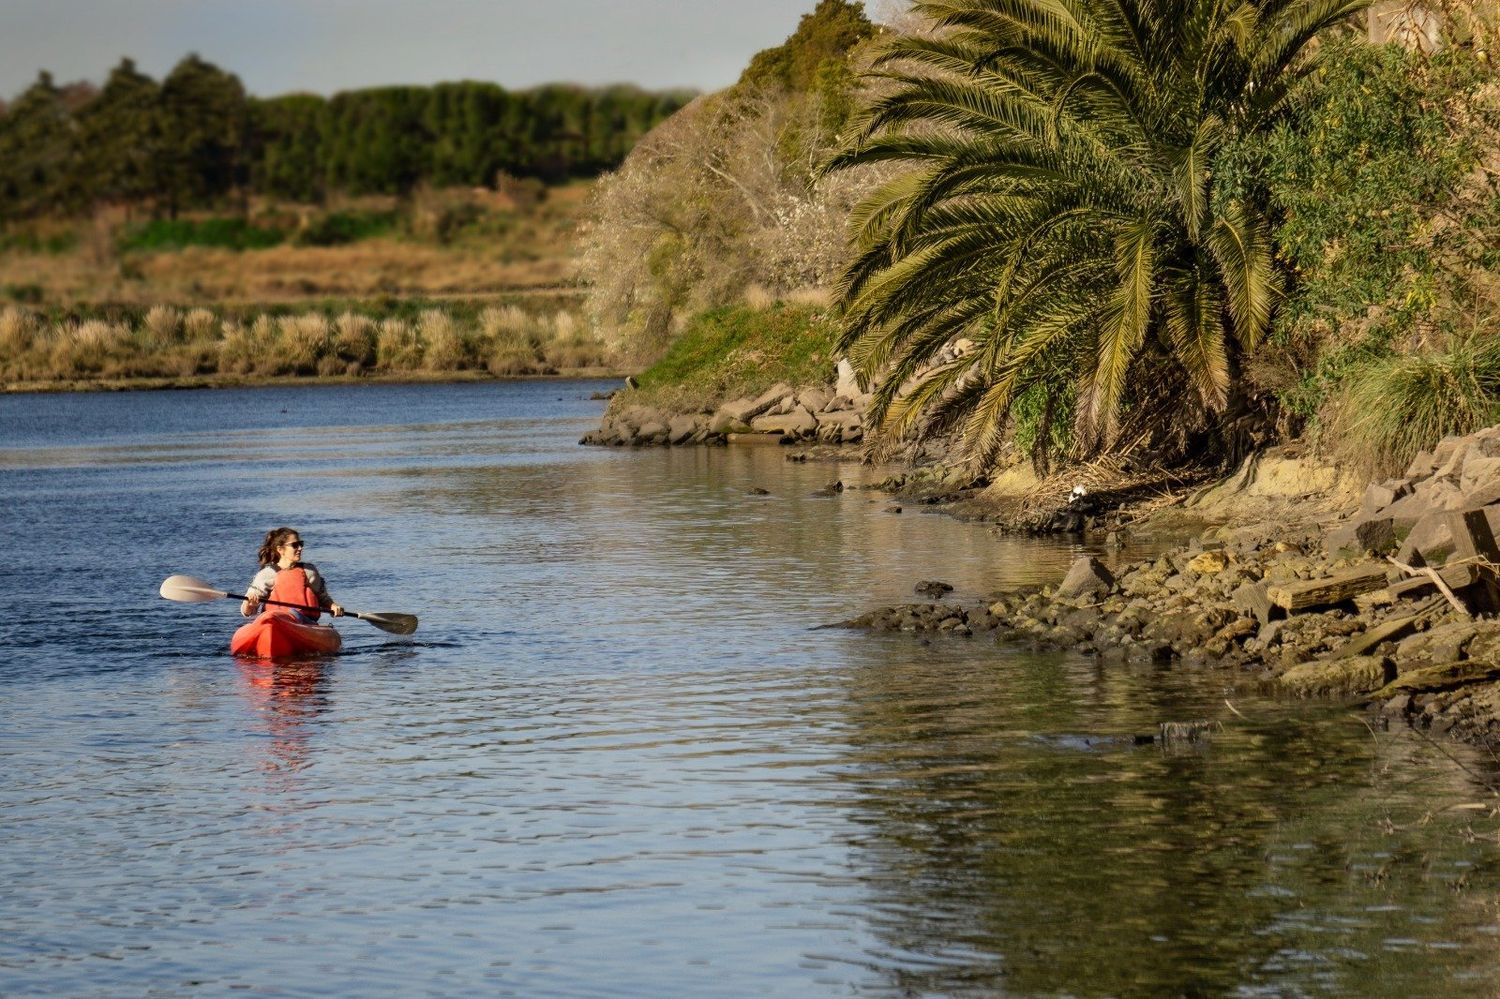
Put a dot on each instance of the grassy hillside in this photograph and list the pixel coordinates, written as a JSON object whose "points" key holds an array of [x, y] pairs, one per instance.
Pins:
{"points": [[738, 349]]}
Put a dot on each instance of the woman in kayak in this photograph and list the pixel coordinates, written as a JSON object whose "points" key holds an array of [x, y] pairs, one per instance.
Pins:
{"points": [[284, 577]]}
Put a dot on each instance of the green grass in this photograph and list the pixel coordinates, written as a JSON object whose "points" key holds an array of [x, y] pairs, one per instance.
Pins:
{"points": [[737, 350], [1394, 406], [178, 234], [342, 228]]}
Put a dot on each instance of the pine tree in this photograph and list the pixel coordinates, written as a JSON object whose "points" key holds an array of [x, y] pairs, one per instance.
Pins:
{"points": [[121, 137], [205, 121], [39, 147]]}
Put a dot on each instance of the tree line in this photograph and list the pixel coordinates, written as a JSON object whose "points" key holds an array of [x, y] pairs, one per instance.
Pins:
{"points": [[196, 139]]}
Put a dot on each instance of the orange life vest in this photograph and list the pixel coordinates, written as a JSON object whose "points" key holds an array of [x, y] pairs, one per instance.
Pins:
{"points": [[291, 587]]}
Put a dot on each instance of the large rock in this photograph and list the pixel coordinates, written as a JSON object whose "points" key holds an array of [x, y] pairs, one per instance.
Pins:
{"points": [[849, 430], [1338, 677], [681, 428], [1479, 471], [1432, 537], [798, 423], [722, 423], [653, 432], [1376, 535], [745, 410], [1429, 496], [1087, 578], [1451, 455], [815, 399], [1379, 495], [1214, 560]]}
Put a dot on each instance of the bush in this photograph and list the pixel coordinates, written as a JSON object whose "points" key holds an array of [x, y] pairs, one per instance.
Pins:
{"points": [[398, 347], [303, 341], [342, 228], [1387, 224], [32, 241], [446, 349], [1391, 407], [355, 340], [164, 325], [218, 233]]}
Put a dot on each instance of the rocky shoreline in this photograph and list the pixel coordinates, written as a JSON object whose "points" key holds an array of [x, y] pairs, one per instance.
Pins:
{"points": [[1394, 608], [831, 414]]}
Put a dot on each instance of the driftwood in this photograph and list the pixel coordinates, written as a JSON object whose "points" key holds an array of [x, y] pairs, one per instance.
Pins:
{"points": [[1437, 580], [1455, 577], [1322, 592], [1474, 541], [1390, 631]]}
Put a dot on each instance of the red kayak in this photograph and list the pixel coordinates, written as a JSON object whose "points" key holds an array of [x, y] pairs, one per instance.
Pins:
{"points": [[278, 633]]}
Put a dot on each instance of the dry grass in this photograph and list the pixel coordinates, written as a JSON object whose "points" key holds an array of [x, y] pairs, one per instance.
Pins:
{"points": [[220, 313], [507, 247], [166, 344]]}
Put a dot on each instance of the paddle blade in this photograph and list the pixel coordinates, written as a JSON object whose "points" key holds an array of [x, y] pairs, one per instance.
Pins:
{"points": [[396, 624], [190, 590]]}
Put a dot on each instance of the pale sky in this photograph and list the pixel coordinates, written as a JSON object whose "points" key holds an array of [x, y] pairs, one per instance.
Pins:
{"points": [[280, 46]]}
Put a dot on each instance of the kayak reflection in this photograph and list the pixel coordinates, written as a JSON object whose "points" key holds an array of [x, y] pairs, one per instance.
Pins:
{"points": [[288, 696]]}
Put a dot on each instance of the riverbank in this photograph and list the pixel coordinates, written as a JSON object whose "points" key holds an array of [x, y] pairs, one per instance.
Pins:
{"points": [[1292, 581], [223, 381]]}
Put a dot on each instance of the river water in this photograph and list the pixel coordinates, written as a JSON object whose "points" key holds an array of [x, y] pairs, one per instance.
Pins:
{"points": [[620, 758]]}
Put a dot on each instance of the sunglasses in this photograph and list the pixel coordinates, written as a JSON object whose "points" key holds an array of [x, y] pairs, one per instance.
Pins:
{"points": [[293, 544]]}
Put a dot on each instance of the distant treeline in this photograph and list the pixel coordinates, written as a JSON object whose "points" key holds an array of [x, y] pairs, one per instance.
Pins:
{"points": [[196, 139]]}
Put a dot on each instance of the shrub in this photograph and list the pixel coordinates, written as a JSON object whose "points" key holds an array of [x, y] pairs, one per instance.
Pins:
{"points": [[512, 359], [178, 234], [355, 340], [303, 341], [1393, 406], [237, 349], [86, 347], [341, 228], [200, 325], [439, 215], [445, 348], [261, 347], [18, 329], [1388, 226], [504, 324], [164, 324], [397, 346]]}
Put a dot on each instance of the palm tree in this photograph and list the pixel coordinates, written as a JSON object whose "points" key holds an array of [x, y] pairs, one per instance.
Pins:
{"points": [[1058, 218]]}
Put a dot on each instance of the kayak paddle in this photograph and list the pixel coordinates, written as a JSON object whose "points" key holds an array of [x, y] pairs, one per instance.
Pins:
{"points": [[191, 590]]}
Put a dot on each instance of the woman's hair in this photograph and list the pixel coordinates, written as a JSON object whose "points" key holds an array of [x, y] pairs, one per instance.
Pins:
{"points": [[275, 538]]}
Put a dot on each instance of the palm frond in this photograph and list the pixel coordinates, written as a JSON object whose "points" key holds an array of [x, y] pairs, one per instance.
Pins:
{"points": [[1059, 209], [1124, 323]]}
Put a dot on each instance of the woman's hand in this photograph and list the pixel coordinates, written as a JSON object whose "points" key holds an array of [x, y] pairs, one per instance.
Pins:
{"points": [[335, 608], [250, 605]]}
